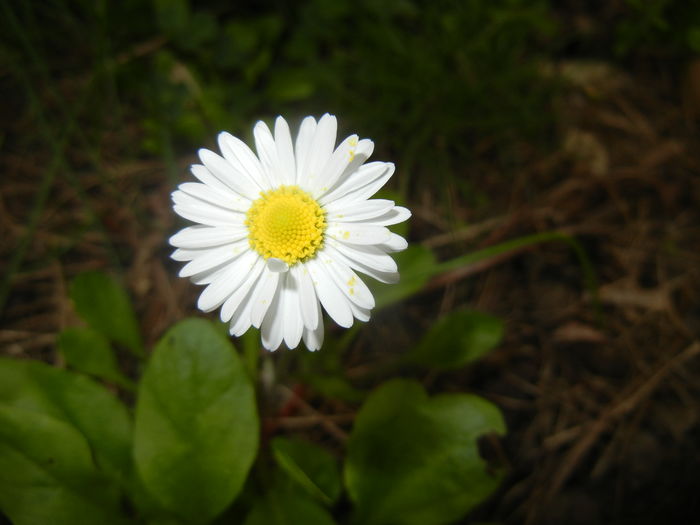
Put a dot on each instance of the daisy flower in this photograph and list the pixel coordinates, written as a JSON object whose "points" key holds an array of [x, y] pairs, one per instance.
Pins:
{"points": [[278, 236]]}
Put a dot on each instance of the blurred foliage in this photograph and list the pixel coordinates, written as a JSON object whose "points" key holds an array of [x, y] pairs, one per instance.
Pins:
{"points": [[666, 27], [428, 80], [417, 74], [186, 453], [425, 79]]}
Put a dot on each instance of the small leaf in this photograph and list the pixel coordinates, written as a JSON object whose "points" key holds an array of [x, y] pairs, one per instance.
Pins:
{"points": [[457, 339], [414, 460], [309, 465], [280, 507], [103, 303], [196, 432], [89, 352], [416, 264], [47, 474], [75, 400]]}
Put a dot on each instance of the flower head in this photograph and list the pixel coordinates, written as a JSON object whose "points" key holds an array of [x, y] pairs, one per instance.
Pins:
{"points": [[280, 235]]}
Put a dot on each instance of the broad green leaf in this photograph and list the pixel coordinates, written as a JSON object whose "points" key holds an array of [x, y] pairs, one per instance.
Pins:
{"points": [[281, 507], [89, 352], [414, 460], [105, 305], [75, 400], [47, 474], [416, 264], [457, 339], [309, 465], [196, 432]]}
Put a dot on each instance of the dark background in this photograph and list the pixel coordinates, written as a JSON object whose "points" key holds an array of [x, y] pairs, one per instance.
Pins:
{"points": [[504, 118]]}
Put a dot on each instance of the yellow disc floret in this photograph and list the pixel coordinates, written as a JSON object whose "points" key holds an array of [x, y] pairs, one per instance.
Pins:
{"points": [[286, 223]]}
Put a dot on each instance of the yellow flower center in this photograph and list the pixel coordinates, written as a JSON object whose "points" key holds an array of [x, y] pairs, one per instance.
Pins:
{"points": [[286, 223]]}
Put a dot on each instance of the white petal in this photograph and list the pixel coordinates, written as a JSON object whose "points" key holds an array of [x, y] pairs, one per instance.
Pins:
{"points": [[349, 232], [207, 177], [313, 339], [336, 165], [231, 174], [307, 296], [277, 265], [363, 151], [185, 254], [207, 236], [267, 152], [293, 323], [240, 320], [372, 271], [368, 256], [303, 144], [395, 243], [208, 276], [203, 277], [285, 152], [358, 211], [394, 216], [239, 155], [372, 174], [212, 258], [332, 299], [195, 210], [320, 151], [263, 295], [226, 283], [228, 309], [357, 157], [272, 328], [361, 314], [348, 282], [227, 200]]}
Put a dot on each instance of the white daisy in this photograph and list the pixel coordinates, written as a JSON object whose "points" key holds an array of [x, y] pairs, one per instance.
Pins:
{"points": [[279, 235]]}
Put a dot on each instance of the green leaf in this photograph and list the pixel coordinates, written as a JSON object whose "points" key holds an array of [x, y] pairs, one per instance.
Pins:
{"points": [[310, 466], [47, 474], [280, 507], [416, 264], [457, 339], [196, 433], [414, 460], [76, 400], [89, 352], [104, 304]]}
